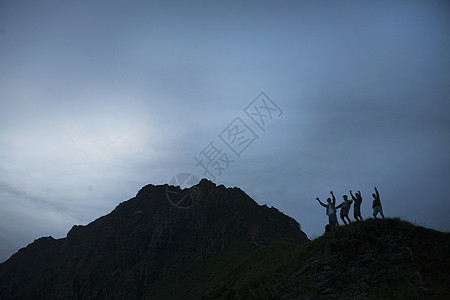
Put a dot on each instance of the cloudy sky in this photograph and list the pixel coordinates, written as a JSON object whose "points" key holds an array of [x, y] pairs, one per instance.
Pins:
{"points": [[101, 98]]}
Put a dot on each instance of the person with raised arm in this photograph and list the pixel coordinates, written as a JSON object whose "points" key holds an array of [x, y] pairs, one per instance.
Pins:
{"points": [[345, 208], [331, 210], [376, 205], [357, 207]]}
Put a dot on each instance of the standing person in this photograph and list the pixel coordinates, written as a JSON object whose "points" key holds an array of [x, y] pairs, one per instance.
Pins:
{"points": [[345, 207], [376, 205], [331, 210], [357, 206]]}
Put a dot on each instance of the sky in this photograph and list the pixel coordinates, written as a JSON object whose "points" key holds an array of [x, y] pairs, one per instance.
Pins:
{"points": [[286, 100]]}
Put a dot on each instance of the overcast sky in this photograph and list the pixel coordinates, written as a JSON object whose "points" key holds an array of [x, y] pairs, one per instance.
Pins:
{"points": [[101, 98]]}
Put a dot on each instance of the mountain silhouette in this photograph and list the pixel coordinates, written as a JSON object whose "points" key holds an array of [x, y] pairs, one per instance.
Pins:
{"points": [[212, 242], [126, 254]]}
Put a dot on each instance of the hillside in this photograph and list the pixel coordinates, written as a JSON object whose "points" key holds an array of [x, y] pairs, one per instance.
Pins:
{"points": [[373, 259], [221, 244], [146, 245]]}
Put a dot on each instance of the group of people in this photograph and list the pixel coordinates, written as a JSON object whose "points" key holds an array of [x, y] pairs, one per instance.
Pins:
{"points": [[345, 207]]}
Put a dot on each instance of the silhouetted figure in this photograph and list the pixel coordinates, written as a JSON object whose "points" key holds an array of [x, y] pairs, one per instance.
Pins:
{"points": [[331, 210], [345, 207], [376, 205], [357, 206], [328, 228]]}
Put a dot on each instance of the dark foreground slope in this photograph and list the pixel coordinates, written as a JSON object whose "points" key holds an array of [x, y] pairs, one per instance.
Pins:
{"points": [[227, 247], [374, 259], [148, 248]]}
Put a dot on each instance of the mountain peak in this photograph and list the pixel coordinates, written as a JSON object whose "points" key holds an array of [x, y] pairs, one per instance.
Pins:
{"points": [[205, 183], [213, 242], [161, 230]]}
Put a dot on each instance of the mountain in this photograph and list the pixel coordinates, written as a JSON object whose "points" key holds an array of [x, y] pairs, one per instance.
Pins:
{"points": [[212, 242], [374, 259], [148, 246]]}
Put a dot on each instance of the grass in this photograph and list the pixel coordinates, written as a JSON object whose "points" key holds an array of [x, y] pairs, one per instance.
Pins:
{"points": [[245, 272]]}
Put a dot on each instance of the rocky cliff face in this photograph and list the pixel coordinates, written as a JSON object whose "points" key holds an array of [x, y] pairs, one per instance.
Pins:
{"points": [[132, 252]]}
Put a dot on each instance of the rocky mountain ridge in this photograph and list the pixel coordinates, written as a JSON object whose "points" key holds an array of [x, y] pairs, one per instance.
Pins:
{"points": [[160, 231], [212, 242]]}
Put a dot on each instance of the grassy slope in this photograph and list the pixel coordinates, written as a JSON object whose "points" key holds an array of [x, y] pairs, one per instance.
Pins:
{"points": [[285, 266], [217, 275]]}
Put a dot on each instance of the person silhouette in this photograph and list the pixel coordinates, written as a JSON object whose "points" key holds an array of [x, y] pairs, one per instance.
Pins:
{"points": [[345, 207], [376, 205], [357, 207], [331, 210]]}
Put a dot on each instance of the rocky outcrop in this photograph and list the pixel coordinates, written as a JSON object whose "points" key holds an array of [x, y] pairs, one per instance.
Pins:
{"points": [[161, 231], [374, 259]]}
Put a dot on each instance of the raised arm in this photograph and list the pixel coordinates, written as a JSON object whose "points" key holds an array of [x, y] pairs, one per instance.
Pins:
{"points": [[334, 199], [321, 203], [376, 192], [351, 194]]}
